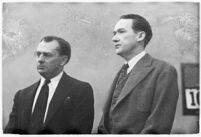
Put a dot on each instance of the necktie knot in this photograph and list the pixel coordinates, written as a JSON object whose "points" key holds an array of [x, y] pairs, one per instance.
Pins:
{"points": [[123, 73], [47, 81], [125, 67]]}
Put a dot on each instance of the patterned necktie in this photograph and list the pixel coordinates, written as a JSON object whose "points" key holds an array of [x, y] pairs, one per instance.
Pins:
{"points": [[36, 123], [119, 84], [123, 74]]}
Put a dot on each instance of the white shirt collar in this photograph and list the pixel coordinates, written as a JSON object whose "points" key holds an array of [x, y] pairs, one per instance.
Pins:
{"points": [[55, 80], [134, 60]]}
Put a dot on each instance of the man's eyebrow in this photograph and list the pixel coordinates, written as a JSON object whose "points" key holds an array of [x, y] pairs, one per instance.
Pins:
{"points": [[120, 29], [42, 52]]}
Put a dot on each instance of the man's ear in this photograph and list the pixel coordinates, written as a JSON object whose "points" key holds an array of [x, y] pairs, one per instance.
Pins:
{"points": [[64, 60], [141, 36]]}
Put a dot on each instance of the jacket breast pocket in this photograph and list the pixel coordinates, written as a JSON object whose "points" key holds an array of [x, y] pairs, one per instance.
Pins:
{"points": [[144, 100]]}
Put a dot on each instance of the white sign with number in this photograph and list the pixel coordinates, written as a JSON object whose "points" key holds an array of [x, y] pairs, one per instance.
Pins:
{"points": [[192, 98]]}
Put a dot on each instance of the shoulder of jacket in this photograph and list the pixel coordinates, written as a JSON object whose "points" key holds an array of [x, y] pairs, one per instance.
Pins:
{"points": [[77, 81], [163, 65]]}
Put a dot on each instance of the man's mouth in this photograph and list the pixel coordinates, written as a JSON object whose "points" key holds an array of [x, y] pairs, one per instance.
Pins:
{"points": [[117, 46], [40, 67]]}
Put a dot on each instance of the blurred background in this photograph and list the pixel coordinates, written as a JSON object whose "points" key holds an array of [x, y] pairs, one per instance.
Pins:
{"points": [[88, 28]]}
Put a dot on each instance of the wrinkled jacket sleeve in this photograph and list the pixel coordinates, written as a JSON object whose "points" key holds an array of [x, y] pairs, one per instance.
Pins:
{"points": [[164, 103]]}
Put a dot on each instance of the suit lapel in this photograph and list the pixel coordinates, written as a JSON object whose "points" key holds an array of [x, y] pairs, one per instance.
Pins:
{"points": [[137, 74], [106, 107], [111, 91], [59, 96]]}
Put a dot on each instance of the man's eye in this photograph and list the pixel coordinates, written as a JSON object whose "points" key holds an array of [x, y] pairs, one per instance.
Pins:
{"points": [[47, 55], [121, 31], [37, 54]]}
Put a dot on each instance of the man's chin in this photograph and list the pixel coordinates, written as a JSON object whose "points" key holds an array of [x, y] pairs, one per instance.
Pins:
{"points": [[42, 72], [121, 54], [118, 52]]}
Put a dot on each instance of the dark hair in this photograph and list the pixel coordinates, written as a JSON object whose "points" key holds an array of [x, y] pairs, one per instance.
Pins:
{"points": [[65, 48], [140, 24]]}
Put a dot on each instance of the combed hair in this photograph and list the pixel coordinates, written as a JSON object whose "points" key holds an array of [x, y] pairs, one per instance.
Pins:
{"points": [[140, 24]]}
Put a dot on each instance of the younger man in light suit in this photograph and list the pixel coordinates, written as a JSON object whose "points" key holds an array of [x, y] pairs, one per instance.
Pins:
{"points": [[144, 93]]}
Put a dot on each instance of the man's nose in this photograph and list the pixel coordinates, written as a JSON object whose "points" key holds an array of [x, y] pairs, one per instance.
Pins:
{"points": [[40, 58], [115, 38]]}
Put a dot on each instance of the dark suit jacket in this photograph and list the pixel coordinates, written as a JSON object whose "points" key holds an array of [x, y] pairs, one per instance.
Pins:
{"points": [[71, 109], [147, 102]]}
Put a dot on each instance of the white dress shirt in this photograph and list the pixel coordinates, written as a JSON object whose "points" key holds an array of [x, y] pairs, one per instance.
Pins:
{"points": [[131, 63], [52, 87]]}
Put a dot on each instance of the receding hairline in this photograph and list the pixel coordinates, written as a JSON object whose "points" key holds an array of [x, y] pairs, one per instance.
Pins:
{"points": [[58, 47]]}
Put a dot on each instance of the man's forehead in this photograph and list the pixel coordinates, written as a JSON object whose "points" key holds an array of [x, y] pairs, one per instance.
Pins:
{"points": [[123, 23], [48, 46]]}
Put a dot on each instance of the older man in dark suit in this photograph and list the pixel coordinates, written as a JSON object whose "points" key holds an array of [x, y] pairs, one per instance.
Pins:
{"points": [[144, 94], [57, 103]]}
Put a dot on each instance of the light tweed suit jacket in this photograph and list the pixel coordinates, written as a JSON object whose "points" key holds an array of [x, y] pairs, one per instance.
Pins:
{"points": [[147, 102]]}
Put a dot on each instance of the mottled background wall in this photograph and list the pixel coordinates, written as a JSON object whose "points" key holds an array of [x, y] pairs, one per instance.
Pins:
{"points": [[88, 27]]}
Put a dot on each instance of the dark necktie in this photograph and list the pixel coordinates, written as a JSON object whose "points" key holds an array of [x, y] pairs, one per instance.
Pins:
{"points": [[119, 84], [123, 74], [36, 123]]}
